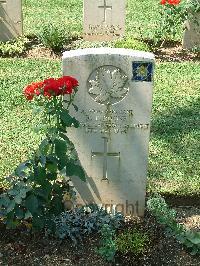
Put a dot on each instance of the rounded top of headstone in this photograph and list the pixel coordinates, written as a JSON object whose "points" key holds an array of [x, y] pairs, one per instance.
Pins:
{"points": [[109, 51]]}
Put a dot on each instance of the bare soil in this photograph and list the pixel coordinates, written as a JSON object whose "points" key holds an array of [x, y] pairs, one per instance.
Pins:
{"points": [[170, 52], [20, 247]]}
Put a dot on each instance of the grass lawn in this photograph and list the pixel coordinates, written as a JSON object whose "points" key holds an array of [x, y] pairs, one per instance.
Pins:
{"points": [[141, 16], [174, 148]]}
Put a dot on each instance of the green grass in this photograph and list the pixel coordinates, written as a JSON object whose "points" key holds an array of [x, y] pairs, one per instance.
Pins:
{"points": [[175, 145], [174, 148], [38, 13], [17, 138], [141, 16]]}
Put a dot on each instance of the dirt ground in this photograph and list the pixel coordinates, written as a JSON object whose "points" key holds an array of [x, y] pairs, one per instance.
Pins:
{"points": [[20, 247]]}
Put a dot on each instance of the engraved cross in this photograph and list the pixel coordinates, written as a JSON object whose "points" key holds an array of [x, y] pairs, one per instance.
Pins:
{"points": [[105, 154], [105, 7]]}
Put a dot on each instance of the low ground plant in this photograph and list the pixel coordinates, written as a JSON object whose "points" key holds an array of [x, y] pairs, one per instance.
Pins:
{"points": [[131, 241], [80, 222], [107, 247], [130, 43], [167, 217], [54, 36], [14, 47]]}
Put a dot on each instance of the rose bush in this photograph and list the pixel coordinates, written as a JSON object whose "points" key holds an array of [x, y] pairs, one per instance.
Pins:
{"points": [[172, 16], [37, 186]]}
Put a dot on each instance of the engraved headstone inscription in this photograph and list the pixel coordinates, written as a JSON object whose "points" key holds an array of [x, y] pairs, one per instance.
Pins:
{"points": [[104, 19], [114, 107], [10, 19], [191, 36]]}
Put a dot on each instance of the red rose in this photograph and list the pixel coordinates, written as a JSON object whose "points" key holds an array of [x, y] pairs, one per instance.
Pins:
{"points": [[51, 87], [32, 89], [170, 2]]}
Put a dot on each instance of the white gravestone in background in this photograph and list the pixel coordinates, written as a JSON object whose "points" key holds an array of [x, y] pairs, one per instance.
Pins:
{"points": [[191, 37], [10, 19], [104, 19], [114, 107]]}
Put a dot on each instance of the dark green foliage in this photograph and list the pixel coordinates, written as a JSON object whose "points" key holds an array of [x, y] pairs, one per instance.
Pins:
{"points": [[107, 247], [79, 222], [131, 241], [166, 216], [34, 192], [54, 36]]}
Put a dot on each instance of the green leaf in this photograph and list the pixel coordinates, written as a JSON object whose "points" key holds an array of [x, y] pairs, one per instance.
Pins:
{"points": [[44, 192], [18, 199], [194, 237], [76, 170], [4, 201], [20, 170], [27, 215], [60, 147], [56, 205], [75, 123], [38, 222], [10, 223], [42, 160], [11, 206], [51, 176], [40, 175], [13, 192], [64, 136], [31, 203], [19, 212], [58, 189], [44, 147], [66, 118], [52, 167]]}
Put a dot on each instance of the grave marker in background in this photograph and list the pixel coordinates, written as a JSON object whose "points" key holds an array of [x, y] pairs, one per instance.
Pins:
{"points": [[10, 19], [104, 19], [114, 107], [191, 37]]}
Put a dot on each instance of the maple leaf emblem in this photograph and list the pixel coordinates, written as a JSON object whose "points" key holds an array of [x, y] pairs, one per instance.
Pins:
{"points": [[107, 85]]}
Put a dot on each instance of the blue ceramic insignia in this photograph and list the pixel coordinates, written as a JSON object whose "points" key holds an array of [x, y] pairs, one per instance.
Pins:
{"points": [[142, 71]]}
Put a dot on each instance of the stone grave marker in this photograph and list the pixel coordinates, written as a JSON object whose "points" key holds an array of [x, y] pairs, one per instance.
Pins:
{"points": [[191, 36], [10, 19], [114, 107], [104, 19]]}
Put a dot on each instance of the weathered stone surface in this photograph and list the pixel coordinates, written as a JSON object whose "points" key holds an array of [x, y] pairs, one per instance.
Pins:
{"points": [[104, 19], [114, 107], [10, 19], [191, 37]]}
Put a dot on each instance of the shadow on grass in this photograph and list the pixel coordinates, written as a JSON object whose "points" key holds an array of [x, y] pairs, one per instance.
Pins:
{"points": [[177, 123], [179, 130]]}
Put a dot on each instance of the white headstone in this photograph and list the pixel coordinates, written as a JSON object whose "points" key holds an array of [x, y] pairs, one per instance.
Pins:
{"points": [[104, 19], [114, 107], [10, 19]]}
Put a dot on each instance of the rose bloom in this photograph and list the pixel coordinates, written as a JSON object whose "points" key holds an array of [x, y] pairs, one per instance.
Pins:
{"points": [[50, 87], [170, 2]]}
